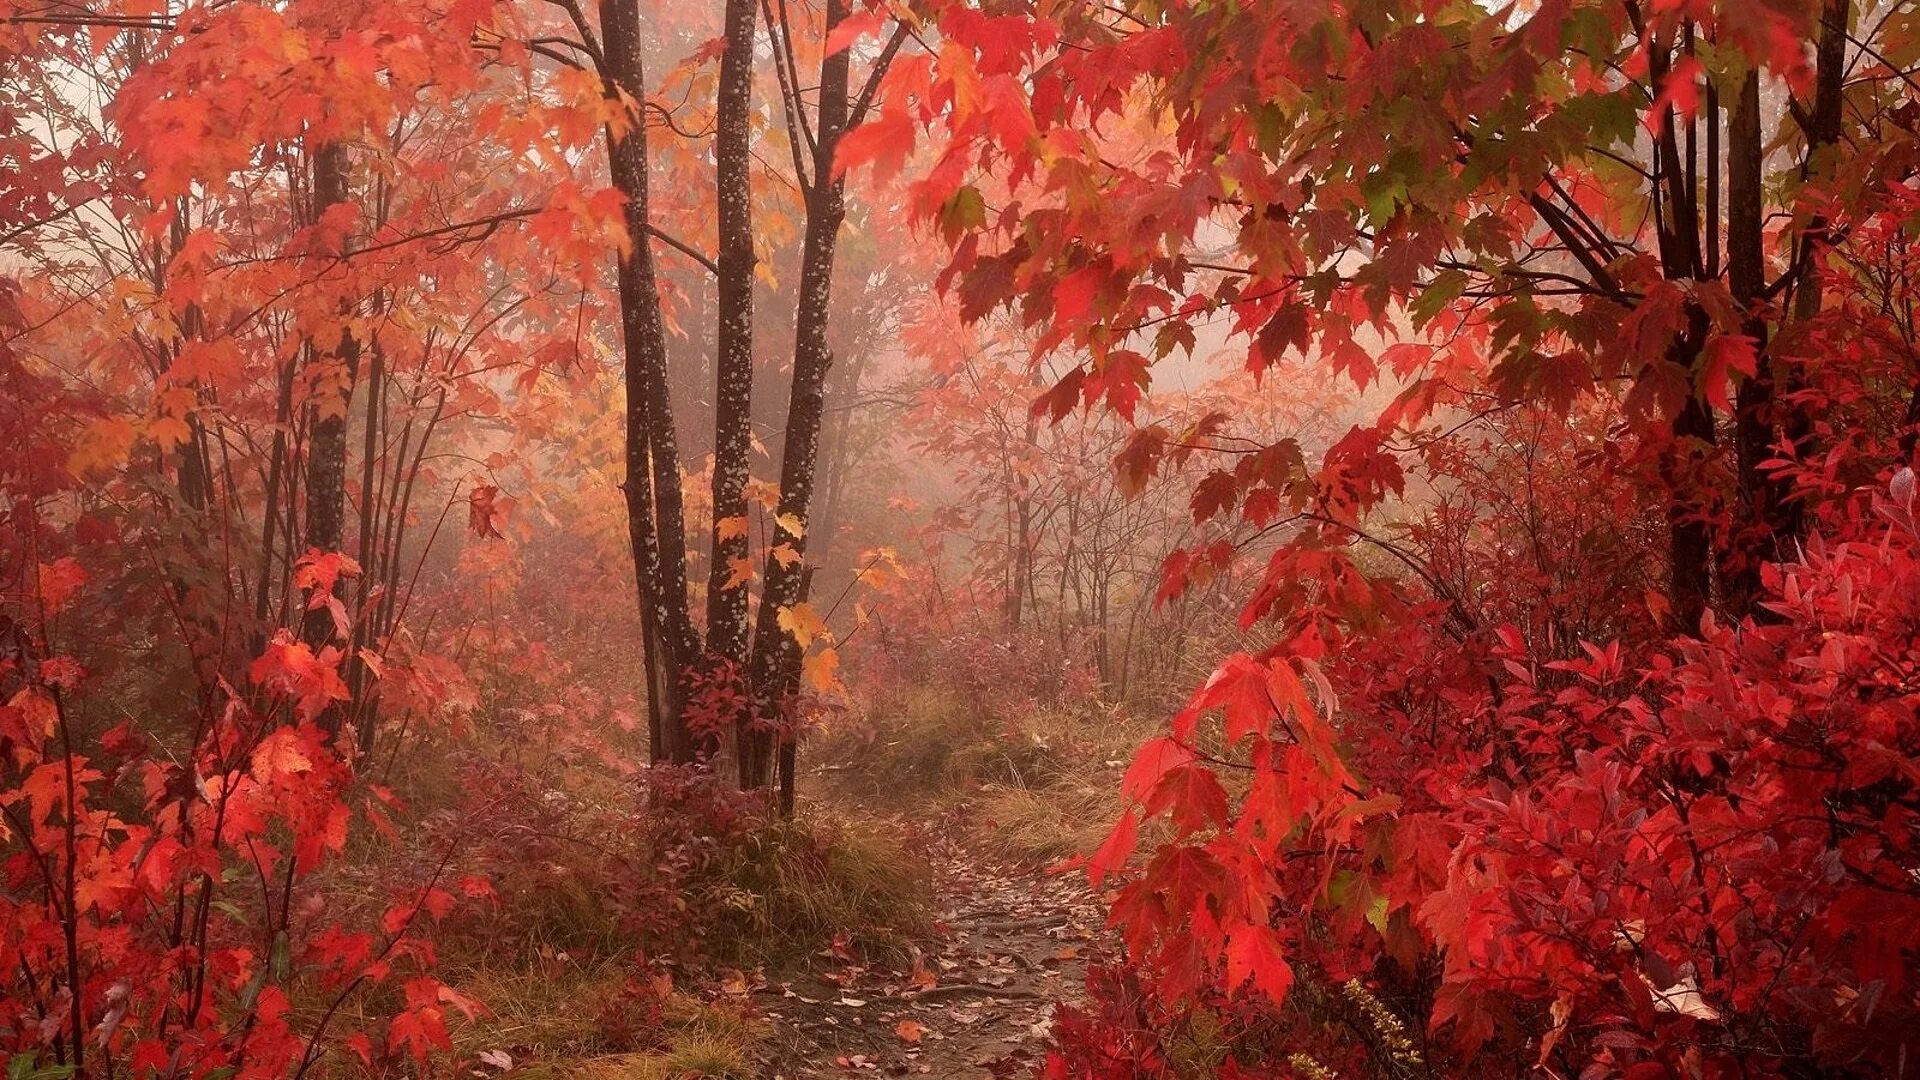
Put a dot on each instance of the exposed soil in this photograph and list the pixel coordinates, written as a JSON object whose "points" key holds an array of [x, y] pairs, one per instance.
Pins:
{"points": [[1015, 942]]}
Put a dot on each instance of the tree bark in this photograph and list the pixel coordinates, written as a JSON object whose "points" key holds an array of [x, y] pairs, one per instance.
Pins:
{"points": [[1689, 537], [1753, 408], [733, 390], [776, 656], [326, 486], [1823, 133], [656, 518]]}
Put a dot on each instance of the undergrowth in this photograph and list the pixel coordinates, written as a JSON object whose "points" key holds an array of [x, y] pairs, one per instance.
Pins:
{"points": [[1040, 780]]}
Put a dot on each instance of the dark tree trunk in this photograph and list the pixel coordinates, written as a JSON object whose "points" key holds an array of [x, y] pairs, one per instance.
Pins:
{"points": [[195, 466], [326, 487], [1690, 539], [655, 515], [1677, 217], [733, 390], [1759, 498], [776, 656], [1910, 429], [1823, 133]]}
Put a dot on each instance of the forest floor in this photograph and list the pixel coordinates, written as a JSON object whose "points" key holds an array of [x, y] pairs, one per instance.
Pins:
{"points": [[1013, 942]]}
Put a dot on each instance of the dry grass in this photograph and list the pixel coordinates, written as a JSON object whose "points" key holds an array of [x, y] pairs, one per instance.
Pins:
{"points": [[1051, 823], [928, 740], [699, 1057], [797, 886], [1041, 787], [558, 1018]]}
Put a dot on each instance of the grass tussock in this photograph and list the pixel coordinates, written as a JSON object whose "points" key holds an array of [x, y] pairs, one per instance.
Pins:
{"points": [[599, 1020], [1051, 823], [797, 887], [930, 740], [1043, 786], [698, 1058]]}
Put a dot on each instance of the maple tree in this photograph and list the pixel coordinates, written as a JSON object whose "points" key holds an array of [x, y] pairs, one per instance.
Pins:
{"points": [[729, 677], [296, 291], [187, 302], [1643, 466]]}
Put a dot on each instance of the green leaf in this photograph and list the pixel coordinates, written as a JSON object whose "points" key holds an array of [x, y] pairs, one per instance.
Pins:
{"points": [[1444, 289], [1377, 914], [964, 212]]}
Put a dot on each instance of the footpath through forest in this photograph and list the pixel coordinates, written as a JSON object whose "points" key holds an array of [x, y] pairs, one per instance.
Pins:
{"points": [[1014, 942]]}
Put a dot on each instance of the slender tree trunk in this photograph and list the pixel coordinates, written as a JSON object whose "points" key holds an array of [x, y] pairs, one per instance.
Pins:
{"points": [[195, 473], [776, 656], [270, 520], [733, 390], [789, 757], [359, 681], [1753, 420], [1677, 218], [1023, 569], [1823, 134], [326, 494], [655, 516], [836, 457]]}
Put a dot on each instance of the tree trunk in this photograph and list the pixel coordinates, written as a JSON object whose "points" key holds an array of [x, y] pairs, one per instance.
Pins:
{"points": [[1823, 134], [655, 516], [776, 656], [1677, 217], [326, 492], [733, 389], [1753, 419]]}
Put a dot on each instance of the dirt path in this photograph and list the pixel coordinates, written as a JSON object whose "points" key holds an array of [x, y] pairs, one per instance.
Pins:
{"points": [[1017, 941]]}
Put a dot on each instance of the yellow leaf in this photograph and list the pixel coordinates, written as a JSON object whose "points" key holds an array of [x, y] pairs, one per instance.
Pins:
{"points": [[102, 446], [821, 671], [793, 526], [804, 623], [762, 492], [880, 567]]}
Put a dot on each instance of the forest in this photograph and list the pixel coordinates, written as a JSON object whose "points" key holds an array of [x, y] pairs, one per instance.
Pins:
{"points": [[1061, 539]]}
